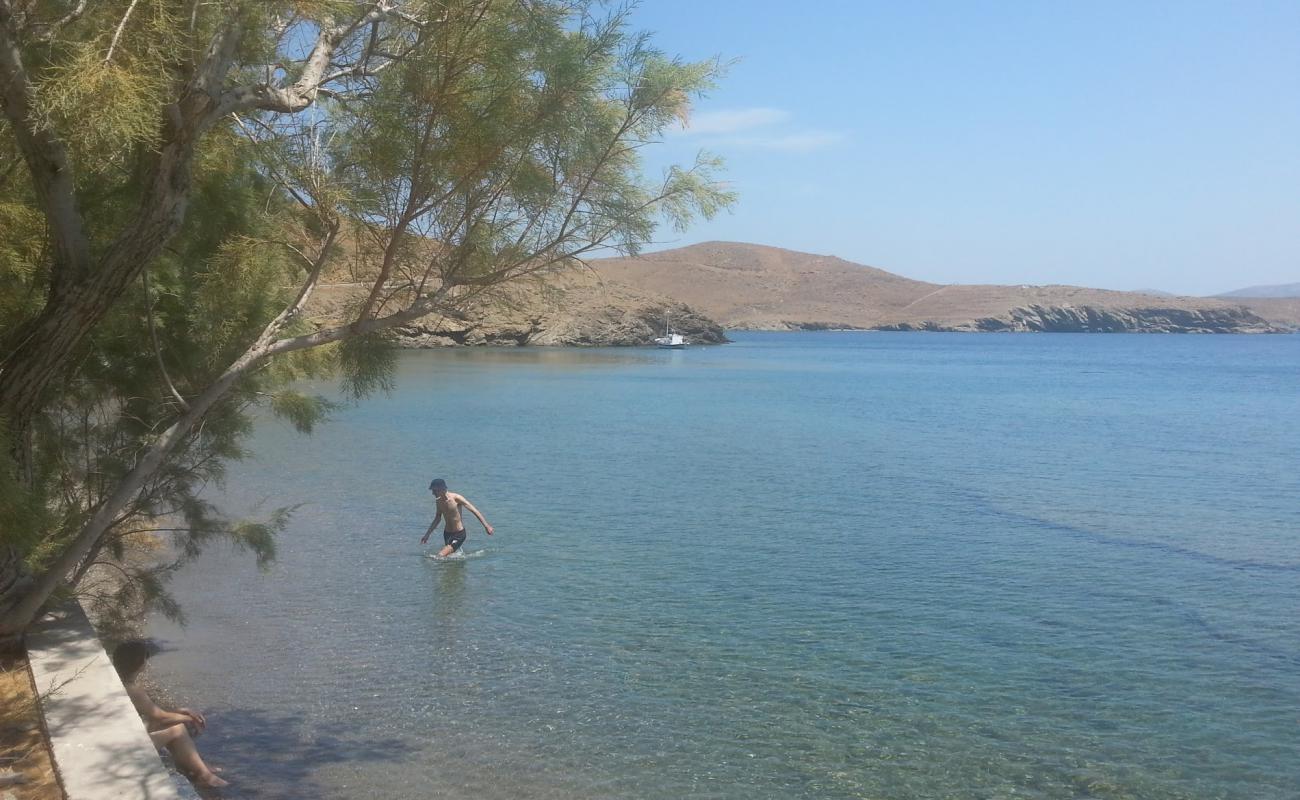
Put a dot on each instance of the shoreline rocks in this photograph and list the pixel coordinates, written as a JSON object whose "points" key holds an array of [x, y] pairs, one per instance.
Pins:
{"points": [[1091, 319], [753, 287], [607, 326], [571, 310]]}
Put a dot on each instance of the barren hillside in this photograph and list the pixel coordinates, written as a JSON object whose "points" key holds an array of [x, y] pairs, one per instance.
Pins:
{"points": [[752, 286]]}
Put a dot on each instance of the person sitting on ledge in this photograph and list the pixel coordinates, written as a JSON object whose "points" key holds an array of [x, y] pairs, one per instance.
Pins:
{"points": [[166, 728]]}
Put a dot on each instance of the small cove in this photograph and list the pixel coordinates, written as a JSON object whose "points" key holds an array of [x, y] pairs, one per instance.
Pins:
{"points": [[829, 565]]}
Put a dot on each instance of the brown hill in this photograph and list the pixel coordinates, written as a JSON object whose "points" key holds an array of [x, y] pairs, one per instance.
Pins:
{"points": [[757, 287], [571, 308], [1281, 311]]}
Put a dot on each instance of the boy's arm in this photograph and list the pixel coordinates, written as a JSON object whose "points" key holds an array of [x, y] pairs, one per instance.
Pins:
{"points": [[436, 519], [467, 504], [147, 708], [144, 705]]}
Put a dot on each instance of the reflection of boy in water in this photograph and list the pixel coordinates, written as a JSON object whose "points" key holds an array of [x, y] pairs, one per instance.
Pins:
{"points": [[449, 505]]}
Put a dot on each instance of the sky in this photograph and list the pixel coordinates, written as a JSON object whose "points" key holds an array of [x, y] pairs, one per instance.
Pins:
{"points": [[1122, 145]]}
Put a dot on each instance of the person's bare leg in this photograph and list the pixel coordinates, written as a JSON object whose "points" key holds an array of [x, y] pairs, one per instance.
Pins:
{"points": [[186, 755], [446, 551]]}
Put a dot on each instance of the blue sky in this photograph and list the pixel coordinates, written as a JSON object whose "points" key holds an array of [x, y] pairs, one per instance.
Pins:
{"points": [[1121, 145]]}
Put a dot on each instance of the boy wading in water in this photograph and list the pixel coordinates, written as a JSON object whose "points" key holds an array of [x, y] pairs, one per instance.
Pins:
{"points": [[449, 506]]}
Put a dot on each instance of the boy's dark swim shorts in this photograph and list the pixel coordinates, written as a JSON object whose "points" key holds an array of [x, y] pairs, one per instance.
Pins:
{"points": [[454, 538]]}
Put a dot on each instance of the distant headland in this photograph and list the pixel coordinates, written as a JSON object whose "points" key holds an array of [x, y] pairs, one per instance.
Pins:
{"points": [[749, 286], [705, 289]]}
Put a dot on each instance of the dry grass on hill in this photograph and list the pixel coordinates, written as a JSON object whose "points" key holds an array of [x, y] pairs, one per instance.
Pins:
{"points": [[745, 285], [564, 307], [752, 286], [757, 287], [1283, 311]]}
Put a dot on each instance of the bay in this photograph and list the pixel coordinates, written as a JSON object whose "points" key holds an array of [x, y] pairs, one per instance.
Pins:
{"points": [[831, 565]]}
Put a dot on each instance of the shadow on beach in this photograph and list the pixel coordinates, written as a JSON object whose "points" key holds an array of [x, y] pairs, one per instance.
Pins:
{"points": [[275, 756]]}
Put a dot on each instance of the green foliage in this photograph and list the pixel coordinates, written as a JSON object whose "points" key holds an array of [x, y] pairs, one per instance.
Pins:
{"points": [[106, 103], [366, 363], [22, 233], [26, 516], [211, 293], [537, 125], [302, 411], [239, 289], [504, 142], [86, 80], [259, 537]]}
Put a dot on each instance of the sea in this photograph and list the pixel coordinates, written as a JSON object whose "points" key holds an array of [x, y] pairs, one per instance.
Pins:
{"points": [[800, 565]]}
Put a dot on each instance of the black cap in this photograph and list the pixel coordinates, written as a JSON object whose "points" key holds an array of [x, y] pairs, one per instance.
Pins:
{"points": [[438, 483]]}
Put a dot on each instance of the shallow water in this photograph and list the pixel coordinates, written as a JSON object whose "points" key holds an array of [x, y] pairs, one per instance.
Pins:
{"points": [[831, 565]]}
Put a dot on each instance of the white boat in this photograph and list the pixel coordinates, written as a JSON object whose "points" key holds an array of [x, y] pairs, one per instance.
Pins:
{"points": [[670, 340]]}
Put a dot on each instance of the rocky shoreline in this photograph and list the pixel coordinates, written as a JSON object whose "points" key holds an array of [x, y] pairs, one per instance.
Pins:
{"points": [[753, 287], [574, 309], [704, 290], [611, 326], [1089, 319], [1067, 319], [607, 326]]}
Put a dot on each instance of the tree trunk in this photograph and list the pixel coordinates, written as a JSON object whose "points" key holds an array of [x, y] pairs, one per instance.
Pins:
{"points": [[14, 583], [20, 607], [42, 349]]}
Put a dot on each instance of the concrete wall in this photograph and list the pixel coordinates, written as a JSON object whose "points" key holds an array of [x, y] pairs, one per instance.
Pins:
{"points": [[101, 747]]}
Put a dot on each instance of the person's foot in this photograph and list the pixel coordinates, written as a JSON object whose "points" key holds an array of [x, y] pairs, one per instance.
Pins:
{"points": [[210, 781]]}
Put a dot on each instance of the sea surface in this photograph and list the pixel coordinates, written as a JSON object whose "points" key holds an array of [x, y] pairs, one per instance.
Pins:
{"points": [[816, 565]]}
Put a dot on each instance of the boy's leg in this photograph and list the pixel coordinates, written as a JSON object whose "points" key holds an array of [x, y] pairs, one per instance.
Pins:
{"points": [[453, 543], [186, 755]]}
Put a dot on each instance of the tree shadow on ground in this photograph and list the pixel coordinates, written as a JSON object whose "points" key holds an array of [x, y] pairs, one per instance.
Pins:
{"points": [[276, 756]]}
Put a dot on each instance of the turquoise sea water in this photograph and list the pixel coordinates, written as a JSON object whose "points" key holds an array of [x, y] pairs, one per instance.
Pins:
{"points": [[839, 565]]}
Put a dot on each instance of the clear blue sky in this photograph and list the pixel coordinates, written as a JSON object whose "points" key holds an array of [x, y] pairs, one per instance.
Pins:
{"points": [[1115, 144]]}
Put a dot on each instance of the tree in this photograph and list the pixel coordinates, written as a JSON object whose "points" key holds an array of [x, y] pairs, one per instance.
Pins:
{"points": [[432, 150]]}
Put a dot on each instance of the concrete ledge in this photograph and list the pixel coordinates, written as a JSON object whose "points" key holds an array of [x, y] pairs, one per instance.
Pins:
{"points": [[101, 747]]}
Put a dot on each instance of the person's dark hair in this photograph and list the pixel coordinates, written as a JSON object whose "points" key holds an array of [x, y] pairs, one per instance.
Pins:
{"points": [[129, 658], [438, 483]]}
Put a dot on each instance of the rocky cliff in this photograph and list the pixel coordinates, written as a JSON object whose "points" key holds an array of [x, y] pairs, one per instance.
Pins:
{"points": [[570, 324], [573, 309], [1087, 319]]}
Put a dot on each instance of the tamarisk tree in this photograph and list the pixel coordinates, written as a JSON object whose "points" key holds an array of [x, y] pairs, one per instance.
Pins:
{"points": [[177, 177]]}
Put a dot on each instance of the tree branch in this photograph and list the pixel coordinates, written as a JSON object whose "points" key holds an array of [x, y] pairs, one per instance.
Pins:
{"points": [[153, 337], [47, 161], [117, 34], [419, 308], [308, 286], [295, 98], [45, 31]]}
